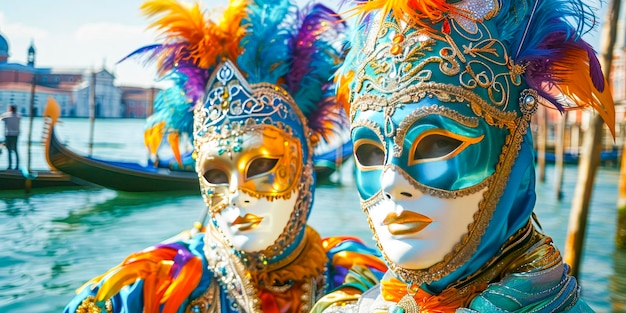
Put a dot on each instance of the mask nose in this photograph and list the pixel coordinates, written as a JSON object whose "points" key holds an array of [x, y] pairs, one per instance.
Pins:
{"points": [[396, 187], [240, 199]]}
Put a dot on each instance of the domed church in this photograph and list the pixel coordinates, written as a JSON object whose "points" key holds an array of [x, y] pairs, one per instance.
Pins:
{"points": [[69, 87]]}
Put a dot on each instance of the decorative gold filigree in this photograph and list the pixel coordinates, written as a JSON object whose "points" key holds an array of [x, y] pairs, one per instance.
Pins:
{"points": [[479, 61], [444, 93]]}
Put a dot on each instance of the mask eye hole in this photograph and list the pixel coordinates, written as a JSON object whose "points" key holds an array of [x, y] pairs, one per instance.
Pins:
{"points": [[261, 166], [438, 145], [368, 154], [216, 177], [435, 146]]}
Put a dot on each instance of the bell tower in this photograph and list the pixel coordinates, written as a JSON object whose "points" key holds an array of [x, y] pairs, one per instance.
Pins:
{"points": [[31, 54]]}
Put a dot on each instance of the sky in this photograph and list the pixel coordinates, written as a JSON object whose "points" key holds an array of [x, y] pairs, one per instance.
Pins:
{"points": [[92, 34], [84, 34]]}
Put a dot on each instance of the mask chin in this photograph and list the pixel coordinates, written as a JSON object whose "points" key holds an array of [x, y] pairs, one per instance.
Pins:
{"points": [[419, 232], [256, 226]]}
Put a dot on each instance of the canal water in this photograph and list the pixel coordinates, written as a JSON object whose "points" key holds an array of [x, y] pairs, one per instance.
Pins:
{"points": [[53, 240]]}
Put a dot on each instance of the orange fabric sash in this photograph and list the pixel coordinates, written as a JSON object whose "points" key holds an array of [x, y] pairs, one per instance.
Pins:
{"points": [[268, 301], [446, 302]]}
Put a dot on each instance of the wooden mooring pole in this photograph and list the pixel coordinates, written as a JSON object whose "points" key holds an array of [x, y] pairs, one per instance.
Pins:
{"points": [[542, 142], [620, 232], [92, 110], [590, 156], [559, 148], [587, 166]]}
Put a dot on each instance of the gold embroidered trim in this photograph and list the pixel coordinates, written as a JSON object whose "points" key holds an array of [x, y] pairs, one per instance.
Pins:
{"points": [[444, 93], [89, 305], [526, 251], [208, 302], [308, 260], [368, 203], [230, 272], [475, 57], [306, 267]]}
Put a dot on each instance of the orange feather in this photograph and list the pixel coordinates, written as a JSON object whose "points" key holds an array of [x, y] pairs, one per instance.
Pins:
{"points": [[183, 285], [174, 139], [343, 90], [574, 82], [206, 40], [417, 12], [349, 259], [152, 137], [153, 266]]}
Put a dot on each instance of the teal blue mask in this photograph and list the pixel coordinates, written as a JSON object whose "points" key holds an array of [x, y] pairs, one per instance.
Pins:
{"points": [[439, 123]]}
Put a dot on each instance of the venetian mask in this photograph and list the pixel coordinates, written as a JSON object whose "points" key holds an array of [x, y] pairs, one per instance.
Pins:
{"points": [[254, 163], [427, 177], [435, 132], [441, 95]]}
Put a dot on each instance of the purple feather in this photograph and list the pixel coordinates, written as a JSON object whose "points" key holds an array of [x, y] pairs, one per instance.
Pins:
{"points": [[306, 43], [317, 52], [196, 81], [329, 111], [181, 258], [174, 57], [340, 275], [595, 70]]}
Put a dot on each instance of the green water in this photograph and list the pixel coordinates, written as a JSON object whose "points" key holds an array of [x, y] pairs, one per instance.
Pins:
{"points": [[53, 240]]}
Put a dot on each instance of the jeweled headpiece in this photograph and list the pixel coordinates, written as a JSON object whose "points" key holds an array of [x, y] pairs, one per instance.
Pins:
{"points": [[264, 66], [486, 65]]}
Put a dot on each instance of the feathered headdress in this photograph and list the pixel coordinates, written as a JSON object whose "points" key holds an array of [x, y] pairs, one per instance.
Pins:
{"points": [[266, 41], [542, 38]]}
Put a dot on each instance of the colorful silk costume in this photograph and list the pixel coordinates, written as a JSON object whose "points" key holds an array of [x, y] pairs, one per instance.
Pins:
{"points": [[259, 85], [441, 96]]}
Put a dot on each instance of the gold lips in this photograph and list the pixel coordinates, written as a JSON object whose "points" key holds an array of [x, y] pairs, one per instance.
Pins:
{"points": [[249, 221], [406, 223]]}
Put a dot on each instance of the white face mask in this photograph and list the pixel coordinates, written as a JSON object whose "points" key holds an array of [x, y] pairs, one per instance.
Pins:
{"points": [[252, 224], [417, 230], [254, 190]]}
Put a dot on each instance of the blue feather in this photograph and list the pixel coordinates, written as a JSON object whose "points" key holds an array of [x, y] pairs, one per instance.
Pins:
{"points": [[525, 24], [317, 53], [173, 107], [141, 52], [267, 51]]}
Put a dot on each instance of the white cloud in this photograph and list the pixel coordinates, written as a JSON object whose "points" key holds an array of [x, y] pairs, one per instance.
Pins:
{"points": [[20, 30], [111, 32], [19, 36]]}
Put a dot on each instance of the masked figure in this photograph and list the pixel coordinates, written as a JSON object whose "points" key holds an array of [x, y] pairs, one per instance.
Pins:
{"points": [[259, 84], [441, 95]]}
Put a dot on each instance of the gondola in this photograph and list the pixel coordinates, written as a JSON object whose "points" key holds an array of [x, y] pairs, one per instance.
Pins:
{"points": [[16, 180], [328, 161], [121, 176], [134, 177]]}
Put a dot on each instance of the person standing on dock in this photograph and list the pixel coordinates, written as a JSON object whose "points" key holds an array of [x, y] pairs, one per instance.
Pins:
{"points": [[258, 82], [11, 133], [441, 95]]}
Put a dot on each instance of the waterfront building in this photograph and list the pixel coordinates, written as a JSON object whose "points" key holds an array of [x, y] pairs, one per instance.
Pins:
{"points": [[70, 87]]}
